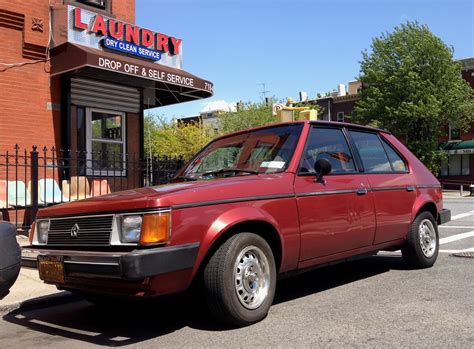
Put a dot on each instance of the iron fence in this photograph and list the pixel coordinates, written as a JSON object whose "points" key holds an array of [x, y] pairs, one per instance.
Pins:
{"points": [[31, 179]]}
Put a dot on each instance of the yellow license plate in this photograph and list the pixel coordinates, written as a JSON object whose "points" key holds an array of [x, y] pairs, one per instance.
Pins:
{"points": [[51, 269]]}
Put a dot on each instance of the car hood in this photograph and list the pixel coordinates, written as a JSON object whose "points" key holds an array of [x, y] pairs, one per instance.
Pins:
{"points": [[177, 195]]}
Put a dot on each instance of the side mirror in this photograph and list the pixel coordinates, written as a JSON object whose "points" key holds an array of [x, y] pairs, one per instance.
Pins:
{"points": [[322, 167]]}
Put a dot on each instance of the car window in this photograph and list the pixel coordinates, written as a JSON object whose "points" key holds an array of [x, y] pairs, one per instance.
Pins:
{"points": [[266, 150], [371, 152], [330, 144], [221, 157], [397, 162]]}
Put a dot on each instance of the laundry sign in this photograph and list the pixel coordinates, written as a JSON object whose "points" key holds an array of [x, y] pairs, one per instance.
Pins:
{"points": [[101, 32]]}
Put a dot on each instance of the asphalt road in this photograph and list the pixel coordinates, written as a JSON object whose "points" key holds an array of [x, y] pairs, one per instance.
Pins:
{"points": [[375, 302]]}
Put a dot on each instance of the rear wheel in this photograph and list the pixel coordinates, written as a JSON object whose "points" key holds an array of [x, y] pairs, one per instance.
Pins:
{"points": [[240, 280], [422, 245]]}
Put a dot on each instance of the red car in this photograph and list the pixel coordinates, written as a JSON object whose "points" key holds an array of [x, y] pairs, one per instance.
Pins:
{"points": [[249, 207]]}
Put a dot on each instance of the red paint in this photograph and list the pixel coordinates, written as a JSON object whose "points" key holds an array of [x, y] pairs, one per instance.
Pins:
{"points": [[176, 45], [147, 38], [104, 26], [311, 229], [116, 29], [99, 27], [132, 34], [78, 24], [162, 42]]}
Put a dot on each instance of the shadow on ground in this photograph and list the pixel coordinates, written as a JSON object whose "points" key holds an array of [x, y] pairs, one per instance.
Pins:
{"points": [[125, 325]]}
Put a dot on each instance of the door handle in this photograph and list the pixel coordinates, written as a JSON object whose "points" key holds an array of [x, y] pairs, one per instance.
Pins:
{"points": [[411, 188], [361, 191]]}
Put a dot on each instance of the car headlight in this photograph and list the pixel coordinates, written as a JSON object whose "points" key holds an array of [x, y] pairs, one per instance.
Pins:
{"points": [[146, 229], [131, 228], [42, 228]]}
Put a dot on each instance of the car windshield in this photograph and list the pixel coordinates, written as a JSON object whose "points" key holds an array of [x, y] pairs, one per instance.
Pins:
{"points": [[267, 150]]}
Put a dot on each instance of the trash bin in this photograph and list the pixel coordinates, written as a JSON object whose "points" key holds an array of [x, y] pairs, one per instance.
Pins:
{"points": [[10, 257]]}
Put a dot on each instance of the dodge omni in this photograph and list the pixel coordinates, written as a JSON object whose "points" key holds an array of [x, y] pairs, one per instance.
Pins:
{"points": [[249, 208]]}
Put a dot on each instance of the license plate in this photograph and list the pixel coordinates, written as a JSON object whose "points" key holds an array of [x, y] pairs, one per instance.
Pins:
{"points": [[51, 269]]}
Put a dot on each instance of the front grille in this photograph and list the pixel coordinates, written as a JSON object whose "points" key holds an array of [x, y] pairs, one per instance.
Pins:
{"points": [[92, 231]]}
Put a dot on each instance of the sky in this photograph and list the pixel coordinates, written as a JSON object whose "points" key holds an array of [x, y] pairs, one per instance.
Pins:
{"points": [[290, 46]]}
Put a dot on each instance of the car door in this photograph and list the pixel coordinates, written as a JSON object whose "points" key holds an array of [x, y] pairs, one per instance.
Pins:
{"points": [[391, 183], [337, 215]]}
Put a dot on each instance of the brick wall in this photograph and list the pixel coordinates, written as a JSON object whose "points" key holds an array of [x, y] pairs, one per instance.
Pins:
{"points": [[124, 10], [468, 75], [30, 98]]}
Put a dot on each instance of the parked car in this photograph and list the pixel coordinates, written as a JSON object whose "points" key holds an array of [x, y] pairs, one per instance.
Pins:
{"points": [[10, 257], [249, 207]]}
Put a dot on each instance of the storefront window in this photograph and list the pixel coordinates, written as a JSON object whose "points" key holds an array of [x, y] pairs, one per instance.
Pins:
{"points": [[106, 142], [457, 165]]}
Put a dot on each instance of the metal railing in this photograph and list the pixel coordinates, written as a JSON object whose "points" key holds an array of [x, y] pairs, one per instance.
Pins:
{"points": [[31, 179]]}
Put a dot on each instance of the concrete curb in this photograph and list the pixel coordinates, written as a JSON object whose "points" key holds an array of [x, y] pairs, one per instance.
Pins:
{"points": [[39, 302]]}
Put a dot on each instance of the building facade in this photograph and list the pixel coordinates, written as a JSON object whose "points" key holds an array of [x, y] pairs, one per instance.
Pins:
{"points": [[459, 167], [75, 79], [83, 86]]}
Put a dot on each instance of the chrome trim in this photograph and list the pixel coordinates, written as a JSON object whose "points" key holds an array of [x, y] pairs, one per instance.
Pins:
{"points": [[429, 186], [77, 216], [327, 192], [91, 263], [115, 232], [33, 253], [233, 200], [401, 187]]}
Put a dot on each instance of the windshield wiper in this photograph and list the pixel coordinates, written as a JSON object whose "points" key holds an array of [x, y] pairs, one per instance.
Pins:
{"points": [[230, 169], [185, 178]]}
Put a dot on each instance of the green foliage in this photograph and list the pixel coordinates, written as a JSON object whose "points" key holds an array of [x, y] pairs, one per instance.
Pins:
{"points": [[172, 138], [175, 139], [413, 88], [250, 115]]}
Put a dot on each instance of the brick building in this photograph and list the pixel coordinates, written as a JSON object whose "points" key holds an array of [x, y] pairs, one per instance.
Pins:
{"points": [[95, 70], [75, 79], [459, 169]]}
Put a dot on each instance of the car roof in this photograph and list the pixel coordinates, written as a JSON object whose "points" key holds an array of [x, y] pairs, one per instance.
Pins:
{"points": [[316, 122]]}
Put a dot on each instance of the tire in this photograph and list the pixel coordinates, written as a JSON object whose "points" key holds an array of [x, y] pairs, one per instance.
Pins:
{"points": [[240, 280], [422, 245]]}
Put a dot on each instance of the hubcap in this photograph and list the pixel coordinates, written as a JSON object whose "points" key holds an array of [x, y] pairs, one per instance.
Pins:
{"points": [[251, 277], [427, 234]]}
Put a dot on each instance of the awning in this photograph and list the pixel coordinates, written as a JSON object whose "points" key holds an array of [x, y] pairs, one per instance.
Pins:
{"points": [[462, 147], [163, 85]]}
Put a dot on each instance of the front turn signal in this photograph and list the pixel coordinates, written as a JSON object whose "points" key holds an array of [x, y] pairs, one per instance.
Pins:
{"points": [[156, 228]]}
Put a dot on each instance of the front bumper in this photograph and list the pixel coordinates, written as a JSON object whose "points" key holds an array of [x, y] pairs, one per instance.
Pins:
{"points": [[444, 216], [134, 265]]}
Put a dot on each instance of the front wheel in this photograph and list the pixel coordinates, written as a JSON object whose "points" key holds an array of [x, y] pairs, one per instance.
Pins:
{"points": [[422, 245], [240, 280]]}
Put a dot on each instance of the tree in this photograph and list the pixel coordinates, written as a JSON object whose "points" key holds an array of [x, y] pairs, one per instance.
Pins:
{"points": [[173, 138], [247, 116], [413, 88]]}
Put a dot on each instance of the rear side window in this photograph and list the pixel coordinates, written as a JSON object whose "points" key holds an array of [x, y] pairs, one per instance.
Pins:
{"points": [[371, 151], [398, 165], [330, 144]]}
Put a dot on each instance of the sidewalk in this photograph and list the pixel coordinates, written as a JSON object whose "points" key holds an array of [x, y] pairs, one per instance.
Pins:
{"points": [[457, 194]]}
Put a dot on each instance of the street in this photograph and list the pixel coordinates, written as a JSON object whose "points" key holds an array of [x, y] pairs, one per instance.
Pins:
{"points": [[374, 302]]}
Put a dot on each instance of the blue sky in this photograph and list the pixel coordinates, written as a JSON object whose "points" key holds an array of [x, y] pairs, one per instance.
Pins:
{"points": [[290, 45]]}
